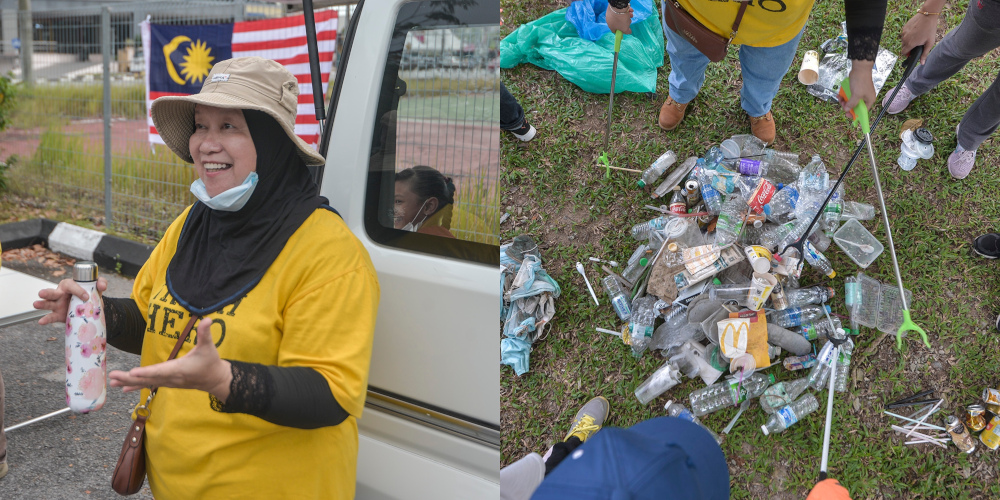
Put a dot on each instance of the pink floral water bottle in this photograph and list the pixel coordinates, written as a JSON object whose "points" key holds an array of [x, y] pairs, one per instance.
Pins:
{"points": [[86, 338]]}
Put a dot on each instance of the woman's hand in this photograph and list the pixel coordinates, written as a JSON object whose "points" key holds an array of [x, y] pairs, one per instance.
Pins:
{"points": [[57, 299], [619, 20], [862, 87], [201, 368], [920, 30]]}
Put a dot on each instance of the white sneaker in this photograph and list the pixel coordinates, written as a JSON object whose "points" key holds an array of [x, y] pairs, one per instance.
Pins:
{"points": [[527, 135]]}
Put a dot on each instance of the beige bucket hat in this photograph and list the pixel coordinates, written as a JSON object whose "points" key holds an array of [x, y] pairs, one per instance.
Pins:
{"points": [[239, 83]]}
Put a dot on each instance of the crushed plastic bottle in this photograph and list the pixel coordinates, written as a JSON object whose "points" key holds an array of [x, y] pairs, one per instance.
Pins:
{"points": [[662, 380], [795, 316], [844, 366], [794, 363], [730, 222], [818, 294], [729, 392], [758, 191], [641, 231], [816, 259], [832, 211], [819, 329], [634, 270], [820, 374], [786, 416], [782, 394], [640, 327], [680, 411], [814, 183], [710, 195], [619, 301], [655, 170], [857, 210], [782, 203]]}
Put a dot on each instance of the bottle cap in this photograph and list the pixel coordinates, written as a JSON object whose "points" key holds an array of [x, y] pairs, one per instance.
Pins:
{"points": [[764, 428], [923, 135], [641, 183], [85, 270], [643, 261], [770, 377]]}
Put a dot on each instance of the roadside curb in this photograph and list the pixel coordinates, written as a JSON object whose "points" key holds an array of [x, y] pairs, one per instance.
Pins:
{"points": [[109, 252]]}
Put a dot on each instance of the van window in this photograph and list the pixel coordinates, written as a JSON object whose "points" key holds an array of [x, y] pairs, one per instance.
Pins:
{"points": [[434, 171]]}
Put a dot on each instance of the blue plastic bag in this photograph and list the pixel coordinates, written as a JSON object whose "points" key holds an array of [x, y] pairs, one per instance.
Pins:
{"points": [[588, 16], [553, 43]]}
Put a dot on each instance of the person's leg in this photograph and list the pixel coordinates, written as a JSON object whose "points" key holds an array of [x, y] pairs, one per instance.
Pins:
{"points": [[978, 33], [687, 75], [763, 68], [585, 424], [520, 479], [512, 116], [559, 451], [511, 113]]}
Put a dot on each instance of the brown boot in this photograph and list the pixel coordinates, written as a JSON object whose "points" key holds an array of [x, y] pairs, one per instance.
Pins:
{"points": [[671, 113], [763, 127]]}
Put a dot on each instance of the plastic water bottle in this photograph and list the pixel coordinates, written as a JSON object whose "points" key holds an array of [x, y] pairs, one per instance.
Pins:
{"points": [[816, 259], [820, 374], [793, 363], [782, 203], [788, 415], [641, 231], [634, 270], [771, 239], [680, 411], [818, 329], [730, 222], [641, 324], [86, 340], [729, 392], [782, 394], [655, 170], [714, 156], [916, 144], [711, 196], [662, 380], [619, 301], [820, 240], [844, 366], [857, 210], [832, 211], [795, 316], [798, 297], [813, 184]]}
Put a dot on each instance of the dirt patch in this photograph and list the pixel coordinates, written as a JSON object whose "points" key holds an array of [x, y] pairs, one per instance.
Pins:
{"points": [[595, 119]]}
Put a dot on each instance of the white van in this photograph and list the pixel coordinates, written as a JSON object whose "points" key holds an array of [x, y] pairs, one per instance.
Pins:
{"points": [[431, 426]]}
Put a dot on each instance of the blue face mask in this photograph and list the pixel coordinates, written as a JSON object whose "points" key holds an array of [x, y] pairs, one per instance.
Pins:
{"points": [[229, 200]]}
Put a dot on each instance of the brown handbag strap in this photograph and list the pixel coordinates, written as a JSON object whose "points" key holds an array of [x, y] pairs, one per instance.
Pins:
{"points": [[173, 354], [739, 18]]}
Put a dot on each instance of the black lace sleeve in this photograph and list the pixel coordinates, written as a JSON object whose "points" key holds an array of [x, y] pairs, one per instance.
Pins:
{"points": [[125, 323], [619, 4], [291, 396], [865, 20]]}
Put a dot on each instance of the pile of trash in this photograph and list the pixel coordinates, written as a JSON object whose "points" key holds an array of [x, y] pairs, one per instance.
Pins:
{"points": [[713, 283]]}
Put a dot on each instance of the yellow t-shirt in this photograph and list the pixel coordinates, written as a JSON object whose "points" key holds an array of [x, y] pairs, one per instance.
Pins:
{"points": [[314, 307], [766, 23]]}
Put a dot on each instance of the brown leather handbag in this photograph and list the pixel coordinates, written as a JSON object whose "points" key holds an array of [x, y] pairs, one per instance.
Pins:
{"points": [[714, 46], [130, 472]]}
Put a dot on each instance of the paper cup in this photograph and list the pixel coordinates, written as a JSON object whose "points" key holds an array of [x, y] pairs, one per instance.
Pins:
{"points": [[809, 74], [760, 289], [758, 262]]}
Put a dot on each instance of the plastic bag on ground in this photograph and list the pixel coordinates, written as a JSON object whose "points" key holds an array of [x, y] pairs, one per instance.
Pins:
{"points": [[588, 16], [551, 42]]}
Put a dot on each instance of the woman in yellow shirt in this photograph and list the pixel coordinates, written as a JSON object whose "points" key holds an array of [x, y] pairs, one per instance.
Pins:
{"points": [[768, 36]]}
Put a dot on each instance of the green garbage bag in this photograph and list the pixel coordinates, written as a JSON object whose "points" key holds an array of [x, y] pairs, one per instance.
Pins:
{"points": [[552, 43]]}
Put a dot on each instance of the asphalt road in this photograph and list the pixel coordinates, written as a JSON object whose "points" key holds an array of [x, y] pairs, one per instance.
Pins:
{"points": [[67, 456]]}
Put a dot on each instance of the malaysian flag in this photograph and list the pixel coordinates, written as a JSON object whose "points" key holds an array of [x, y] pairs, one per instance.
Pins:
{"points": [[179, 57]]}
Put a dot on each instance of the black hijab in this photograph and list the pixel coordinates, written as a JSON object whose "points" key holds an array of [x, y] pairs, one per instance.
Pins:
{"points": [[220, 255]]}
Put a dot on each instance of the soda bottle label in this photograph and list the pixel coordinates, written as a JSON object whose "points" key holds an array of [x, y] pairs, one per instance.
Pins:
{"points": [[761, 195], [810, 332], [748, 167], [678, 207], [787, 416]]}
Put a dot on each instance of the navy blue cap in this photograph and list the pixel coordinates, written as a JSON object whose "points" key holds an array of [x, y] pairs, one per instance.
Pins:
{"points": [[661, 458]]}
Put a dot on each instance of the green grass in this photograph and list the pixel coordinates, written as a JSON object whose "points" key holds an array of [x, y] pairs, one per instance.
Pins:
{"points": [[49, 105], [554, 193], [476, 214]]}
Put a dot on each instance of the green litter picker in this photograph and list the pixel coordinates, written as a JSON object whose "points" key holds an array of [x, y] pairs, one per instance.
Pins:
{"points": [[860, 115], [603, 159]]}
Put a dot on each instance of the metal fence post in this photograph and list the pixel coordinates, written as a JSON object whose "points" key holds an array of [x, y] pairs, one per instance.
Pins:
{"points": [[106, 59]]}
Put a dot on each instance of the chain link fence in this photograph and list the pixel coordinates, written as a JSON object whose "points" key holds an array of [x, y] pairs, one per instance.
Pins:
{"points": [[79, 136]]}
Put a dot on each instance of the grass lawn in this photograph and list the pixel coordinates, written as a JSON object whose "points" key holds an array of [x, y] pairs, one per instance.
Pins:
{"points": [[553, 192]]}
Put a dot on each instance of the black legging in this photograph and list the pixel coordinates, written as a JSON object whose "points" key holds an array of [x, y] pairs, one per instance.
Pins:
{"points": [[511, 113], [561, 451]]}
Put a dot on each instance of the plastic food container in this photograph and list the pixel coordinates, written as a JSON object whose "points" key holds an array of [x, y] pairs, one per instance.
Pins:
{"points": [[854, 239]]}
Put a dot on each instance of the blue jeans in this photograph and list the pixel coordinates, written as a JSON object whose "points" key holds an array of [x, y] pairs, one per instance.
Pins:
{"points": [[763, 69]]}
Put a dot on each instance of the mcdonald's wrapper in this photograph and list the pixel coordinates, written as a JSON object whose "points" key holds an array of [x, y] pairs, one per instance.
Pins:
{"points": [[756, 343], [734, 334], [700, 257]]}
